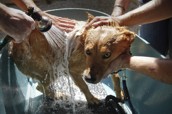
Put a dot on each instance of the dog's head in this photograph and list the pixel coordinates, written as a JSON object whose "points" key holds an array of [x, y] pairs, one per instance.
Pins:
{"points": [[102, 45]]}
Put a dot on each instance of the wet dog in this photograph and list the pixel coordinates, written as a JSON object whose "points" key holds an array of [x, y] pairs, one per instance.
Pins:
{"points": [[91, 51]]}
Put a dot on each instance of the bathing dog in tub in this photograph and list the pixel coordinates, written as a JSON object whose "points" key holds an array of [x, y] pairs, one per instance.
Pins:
{"points": [[89, 53]]}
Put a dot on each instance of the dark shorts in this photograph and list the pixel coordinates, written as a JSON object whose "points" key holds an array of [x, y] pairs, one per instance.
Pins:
{"points": [[158, 34]]}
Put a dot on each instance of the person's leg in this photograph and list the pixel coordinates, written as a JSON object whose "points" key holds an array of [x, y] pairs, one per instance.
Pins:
{"points": [[157, 35]]}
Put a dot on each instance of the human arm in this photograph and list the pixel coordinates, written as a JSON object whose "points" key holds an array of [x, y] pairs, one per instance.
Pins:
{"points": [[120, 6], [153, 11], [118, 9], [15, 23], [62, 23], [24, 4], [156, 68]]}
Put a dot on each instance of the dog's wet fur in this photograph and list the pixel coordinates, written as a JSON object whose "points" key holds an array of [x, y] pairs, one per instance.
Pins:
{"points": [[92, 51]]}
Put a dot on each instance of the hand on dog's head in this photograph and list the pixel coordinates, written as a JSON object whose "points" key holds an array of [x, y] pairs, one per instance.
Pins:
{"points": [[102, 45]]}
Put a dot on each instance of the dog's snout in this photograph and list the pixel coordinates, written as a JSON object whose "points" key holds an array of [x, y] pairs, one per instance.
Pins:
{"points": [[90, 79], [90, 76]]}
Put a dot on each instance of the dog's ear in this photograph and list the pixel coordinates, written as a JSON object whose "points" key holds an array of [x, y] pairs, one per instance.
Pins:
{"points": [[90, 17], [83, 37], [126, 34], [84, 30], [129, 35]]}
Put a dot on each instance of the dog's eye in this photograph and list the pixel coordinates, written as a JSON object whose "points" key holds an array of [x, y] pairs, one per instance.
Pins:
{"points": [[88, 52], [107, 55]]}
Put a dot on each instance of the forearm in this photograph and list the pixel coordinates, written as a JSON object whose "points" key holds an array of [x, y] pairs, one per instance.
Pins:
{"points": [[24, 4], [153, 11], [159, 69], [15, 23], [119, 7]]}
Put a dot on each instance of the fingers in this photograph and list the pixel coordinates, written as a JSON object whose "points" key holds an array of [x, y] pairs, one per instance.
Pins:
{"points": [[18, 25], [57, 19], [66, 20], [65, 25], [28, 24], [122, 61], [65, 29], [62, 23], [94, 22], [99, 21]]}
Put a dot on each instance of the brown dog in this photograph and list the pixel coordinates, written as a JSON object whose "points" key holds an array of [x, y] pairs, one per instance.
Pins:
{"points": [[91, 53]]}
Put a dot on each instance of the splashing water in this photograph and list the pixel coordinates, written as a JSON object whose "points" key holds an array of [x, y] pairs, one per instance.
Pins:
{"points": [[69, 98]]}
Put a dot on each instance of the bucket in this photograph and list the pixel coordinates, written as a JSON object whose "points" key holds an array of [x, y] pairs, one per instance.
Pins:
{"points": [[18, 94]]}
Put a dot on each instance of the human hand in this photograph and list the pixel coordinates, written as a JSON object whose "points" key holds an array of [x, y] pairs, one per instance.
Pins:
{"points": [[62, 23], [122, 61], [16, 24], [103, 20]]}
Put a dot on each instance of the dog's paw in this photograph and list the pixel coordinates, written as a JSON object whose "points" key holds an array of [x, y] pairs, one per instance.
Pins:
{"points": [[93, 101]]}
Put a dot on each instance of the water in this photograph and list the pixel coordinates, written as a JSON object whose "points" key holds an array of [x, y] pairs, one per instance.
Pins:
{"points": [[69, 98]]}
